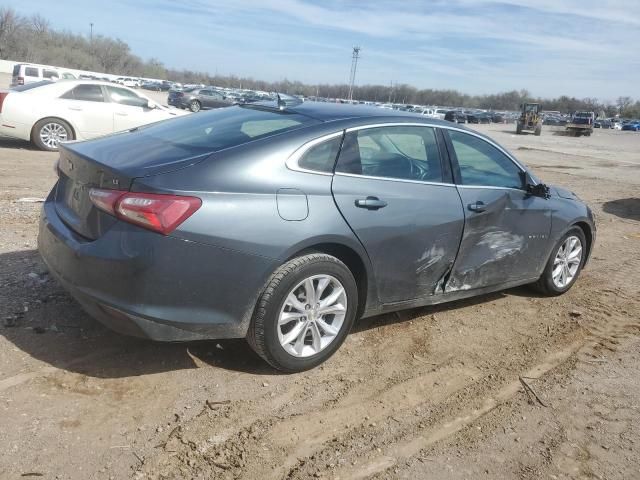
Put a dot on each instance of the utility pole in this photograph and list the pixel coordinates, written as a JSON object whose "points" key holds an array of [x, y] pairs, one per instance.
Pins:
{"points": [[354, 66], [91, 34]]}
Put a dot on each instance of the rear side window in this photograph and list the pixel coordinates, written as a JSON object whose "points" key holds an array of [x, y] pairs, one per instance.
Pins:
{"points": [[87, 93], [50, 74], [321, 157], [226, 127], [409, 153], [31, 72]]}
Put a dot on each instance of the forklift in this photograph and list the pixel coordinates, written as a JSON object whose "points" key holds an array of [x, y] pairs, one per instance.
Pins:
{"points": [[530, 119]]}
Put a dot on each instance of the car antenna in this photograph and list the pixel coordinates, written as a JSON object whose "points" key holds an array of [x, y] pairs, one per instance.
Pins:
{"points": [[285, 101]]}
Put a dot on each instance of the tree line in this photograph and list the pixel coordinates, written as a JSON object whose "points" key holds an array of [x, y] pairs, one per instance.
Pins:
{"points": [[31, 39]]}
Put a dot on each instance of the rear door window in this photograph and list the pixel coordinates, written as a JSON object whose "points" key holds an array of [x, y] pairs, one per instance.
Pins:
{"points": [[31, 72], [409, 153], [87, 93]]}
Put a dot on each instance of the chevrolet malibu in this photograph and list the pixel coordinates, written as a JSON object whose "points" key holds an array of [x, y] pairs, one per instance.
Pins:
{"points": [[283, 224]]}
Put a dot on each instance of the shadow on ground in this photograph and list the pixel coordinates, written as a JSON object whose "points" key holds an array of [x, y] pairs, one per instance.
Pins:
{"points": [[8, 142], [55, 330], [628, 208]]}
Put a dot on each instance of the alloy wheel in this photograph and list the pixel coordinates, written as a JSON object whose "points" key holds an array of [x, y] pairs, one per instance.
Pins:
{"points": [[52, 134], [567, 262], [312, 315]]}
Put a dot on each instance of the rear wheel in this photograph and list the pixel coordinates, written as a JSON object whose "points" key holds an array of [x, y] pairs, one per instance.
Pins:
{"points": [[305, 313], [49, 132], [194, 106], [564, 265], [518, 129]]}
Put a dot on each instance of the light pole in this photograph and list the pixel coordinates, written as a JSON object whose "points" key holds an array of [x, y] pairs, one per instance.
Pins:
{"points": [[354, 66], [91, 34]]}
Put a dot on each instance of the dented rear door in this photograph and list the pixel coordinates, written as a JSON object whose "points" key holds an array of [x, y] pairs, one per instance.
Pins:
{"points": [[506, 230], [390, 189]]}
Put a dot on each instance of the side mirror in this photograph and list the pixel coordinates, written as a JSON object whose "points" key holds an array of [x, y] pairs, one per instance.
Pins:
{"points": [[535, 189]]}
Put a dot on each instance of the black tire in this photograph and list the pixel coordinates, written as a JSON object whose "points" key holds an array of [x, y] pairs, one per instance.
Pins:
{"points": [[194, 106], [518, 129], [538, 131], [263, 330], [545, 283], [44, 123]]}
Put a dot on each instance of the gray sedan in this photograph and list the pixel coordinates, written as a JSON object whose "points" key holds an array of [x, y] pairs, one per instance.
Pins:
{"points": [[285, 223], [201, 99]]}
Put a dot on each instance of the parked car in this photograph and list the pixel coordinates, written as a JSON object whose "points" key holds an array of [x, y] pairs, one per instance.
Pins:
{"points": [[163, 86], [47, 113], [199, 99], [25, 73], [633, 125], [478, 117], [284, 223], [128, 82], [455, 116]]}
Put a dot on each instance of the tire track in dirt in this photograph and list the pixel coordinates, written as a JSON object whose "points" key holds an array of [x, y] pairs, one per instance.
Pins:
{"points": [[603, 337]]}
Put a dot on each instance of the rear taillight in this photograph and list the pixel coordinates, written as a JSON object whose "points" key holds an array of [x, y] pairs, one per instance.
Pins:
{"points": [[157, 212], [3, 95], [20, 80]]}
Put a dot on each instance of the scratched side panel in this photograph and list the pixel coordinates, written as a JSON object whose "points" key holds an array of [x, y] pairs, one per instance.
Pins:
{"points": [[507, 242]]}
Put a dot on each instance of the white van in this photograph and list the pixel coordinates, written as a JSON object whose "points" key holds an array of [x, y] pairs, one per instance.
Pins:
{"points": [[24, 73]]}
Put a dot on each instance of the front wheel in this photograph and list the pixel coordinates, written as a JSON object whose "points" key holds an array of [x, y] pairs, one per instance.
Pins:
{"points": [[49, 132], [564, 265], [304, 313]]}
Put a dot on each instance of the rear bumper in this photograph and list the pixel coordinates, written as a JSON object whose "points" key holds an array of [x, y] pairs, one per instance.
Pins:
{"points": [[15, 130], [147, 285]]}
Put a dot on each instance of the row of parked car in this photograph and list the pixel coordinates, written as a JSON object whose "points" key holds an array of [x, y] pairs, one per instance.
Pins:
{"points": [[204, 98]]}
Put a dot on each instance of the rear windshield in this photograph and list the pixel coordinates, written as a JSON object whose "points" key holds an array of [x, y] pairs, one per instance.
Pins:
{"points": [[226, 127], [16, 70]]}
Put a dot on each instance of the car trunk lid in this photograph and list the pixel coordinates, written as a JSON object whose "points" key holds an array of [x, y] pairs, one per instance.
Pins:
{"points": [[109, 165]]}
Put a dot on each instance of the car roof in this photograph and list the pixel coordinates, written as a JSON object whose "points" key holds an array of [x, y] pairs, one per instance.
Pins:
{"points": [[327, 112]]}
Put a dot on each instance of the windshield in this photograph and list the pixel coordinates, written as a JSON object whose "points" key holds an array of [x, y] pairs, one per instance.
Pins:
{"points": [[226, 127]]}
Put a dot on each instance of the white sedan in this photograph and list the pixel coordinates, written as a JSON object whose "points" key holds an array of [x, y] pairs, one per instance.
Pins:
{"points": [[48, 113]]}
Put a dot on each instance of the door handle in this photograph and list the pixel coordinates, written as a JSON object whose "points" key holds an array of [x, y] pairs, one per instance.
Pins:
{"points": [[371, 203], [477, 207]]}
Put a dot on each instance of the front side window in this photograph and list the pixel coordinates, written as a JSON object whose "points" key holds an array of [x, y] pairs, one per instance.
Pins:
{"points": [[50, 74], [87, 93], [482, 164], [123, 96], [409, 153], [321, 157]]}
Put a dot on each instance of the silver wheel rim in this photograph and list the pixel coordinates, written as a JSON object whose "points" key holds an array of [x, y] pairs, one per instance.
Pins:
{"points": [[51, 134], [195, 106], [312, 315], [567, 262]]}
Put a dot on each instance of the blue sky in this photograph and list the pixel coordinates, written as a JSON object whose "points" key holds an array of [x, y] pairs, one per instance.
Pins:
{"points": [[550, 47]]}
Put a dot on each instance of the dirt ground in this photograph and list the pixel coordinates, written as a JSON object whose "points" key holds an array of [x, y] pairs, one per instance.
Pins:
{"points": [[427, 393]]}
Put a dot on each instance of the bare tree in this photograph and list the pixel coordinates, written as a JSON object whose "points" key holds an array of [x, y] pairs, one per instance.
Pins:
{"points": [[623, 103]]}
